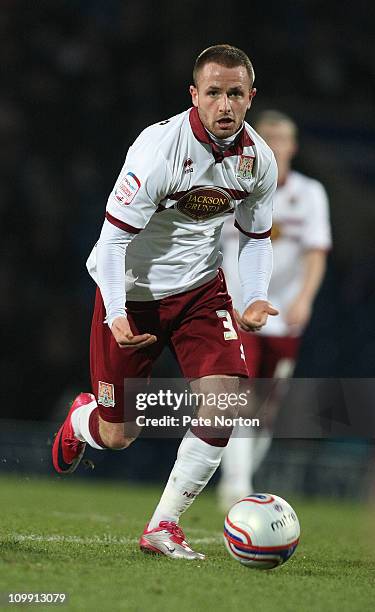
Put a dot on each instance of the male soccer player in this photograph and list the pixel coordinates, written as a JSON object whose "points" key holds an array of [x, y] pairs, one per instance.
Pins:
{"points": [[156, 265], [301, 237]]}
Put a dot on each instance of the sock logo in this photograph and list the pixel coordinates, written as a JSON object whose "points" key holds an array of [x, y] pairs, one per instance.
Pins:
{"points": [[189, 494]]}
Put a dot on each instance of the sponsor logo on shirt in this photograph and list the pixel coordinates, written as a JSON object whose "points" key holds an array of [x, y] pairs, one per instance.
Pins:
{"points": [[127, 188], [245, 167], [203, 203]]}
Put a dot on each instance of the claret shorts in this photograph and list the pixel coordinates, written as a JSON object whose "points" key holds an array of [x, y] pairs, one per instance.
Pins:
{"points": [[199, 326]]}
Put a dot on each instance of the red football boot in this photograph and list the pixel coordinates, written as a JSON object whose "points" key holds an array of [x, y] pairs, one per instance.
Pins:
{"points": [[67, 450], [168, 539]]}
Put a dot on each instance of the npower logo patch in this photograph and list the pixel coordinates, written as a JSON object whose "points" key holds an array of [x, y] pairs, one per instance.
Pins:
{"points": [[127, 188], [204, 202]]}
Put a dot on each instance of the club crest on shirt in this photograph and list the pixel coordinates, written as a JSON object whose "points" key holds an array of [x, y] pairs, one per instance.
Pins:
{"points": [[203, 203], [245, 167], [188, 163], [106, 394], [127, 188]]}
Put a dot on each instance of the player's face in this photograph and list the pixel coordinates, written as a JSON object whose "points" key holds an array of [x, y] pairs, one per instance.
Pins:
{"points": [[222, 96], [281, 138]]}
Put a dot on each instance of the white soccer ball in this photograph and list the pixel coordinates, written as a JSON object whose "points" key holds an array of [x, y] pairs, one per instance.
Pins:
{"points": [[261, 531]]}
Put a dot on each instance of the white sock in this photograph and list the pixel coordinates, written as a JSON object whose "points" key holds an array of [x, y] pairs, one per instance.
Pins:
{"points": [[237, 467], [196, 462], [80, 422], [262, 443]]}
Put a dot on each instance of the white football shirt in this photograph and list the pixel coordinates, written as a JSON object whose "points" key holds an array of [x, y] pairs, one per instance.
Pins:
{"points": [[300, 222], [174, 193]]}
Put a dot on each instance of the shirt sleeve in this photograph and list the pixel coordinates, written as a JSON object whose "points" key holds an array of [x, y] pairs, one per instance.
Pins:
{"points": [[254, 214], [255, 268], [143, 182], [316, 230], [110, 263]]}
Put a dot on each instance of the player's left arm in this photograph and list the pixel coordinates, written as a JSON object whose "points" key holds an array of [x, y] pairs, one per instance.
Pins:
{"points": [[254, 221], [316, 239]]}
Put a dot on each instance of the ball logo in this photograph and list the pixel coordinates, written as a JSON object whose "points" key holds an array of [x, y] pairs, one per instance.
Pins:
{"points": [[285, 520], [203, 203]]}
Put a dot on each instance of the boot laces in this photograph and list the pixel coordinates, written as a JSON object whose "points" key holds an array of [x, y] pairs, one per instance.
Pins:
{"points": [[72, 443], [173, 528]]}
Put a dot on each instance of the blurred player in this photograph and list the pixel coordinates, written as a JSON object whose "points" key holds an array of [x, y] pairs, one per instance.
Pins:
{"points": [[301, 237], [156, 265]]}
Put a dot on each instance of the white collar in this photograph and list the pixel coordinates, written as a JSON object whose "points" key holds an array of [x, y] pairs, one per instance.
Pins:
{"points": [[223, 143]]}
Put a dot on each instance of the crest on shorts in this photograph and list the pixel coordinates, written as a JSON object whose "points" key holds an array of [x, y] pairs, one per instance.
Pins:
{"points": [[106, 394], [245, 167]]}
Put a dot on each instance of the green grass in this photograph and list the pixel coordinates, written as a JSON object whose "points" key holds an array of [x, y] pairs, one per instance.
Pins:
{"points": [[61, 535]]}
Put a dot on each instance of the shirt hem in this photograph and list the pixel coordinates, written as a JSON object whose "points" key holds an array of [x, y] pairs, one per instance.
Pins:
{"points": [[140, 297]]}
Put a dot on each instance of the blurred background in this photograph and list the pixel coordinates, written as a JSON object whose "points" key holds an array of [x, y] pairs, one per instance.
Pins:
{"points": [[79, 80]]}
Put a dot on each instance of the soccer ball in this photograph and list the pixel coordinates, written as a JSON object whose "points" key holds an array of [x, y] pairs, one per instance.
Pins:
{"points": [[261, 531]]}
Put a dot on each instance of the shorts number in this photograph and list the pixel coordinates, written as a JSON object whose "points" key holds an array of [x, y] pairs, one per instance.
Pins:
{"points": [[230, 333]]}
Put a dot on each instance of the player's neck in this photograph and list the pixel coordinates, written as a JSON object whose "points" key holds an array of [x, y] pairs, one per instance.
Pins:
{"points": [[223, 143]]}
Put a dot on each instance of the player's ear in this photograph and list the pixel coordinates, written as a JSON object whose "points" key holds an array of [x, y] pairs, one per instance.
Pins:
{"points": [[252, 94], [194, 94]]}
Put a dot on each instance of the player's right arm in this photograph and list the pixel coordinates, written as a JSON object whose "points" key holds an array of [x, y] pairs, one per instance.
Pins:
{"points": [[143, 182]]}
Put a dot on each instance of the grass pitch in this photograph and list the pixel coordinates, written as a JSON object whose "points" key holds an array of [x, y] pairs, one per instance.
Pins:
{"points": [[62, 535]]}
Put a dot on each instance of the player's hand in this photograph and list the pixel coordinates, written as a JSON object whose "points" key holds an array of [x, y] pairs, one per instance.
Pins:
{"points": [[125, 337], [256, 315], [298, 314]]}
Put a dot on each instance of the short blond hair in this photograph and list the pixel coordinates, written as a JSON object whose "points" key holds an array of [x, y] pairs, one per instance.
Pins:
{"points": [[272, 117]]}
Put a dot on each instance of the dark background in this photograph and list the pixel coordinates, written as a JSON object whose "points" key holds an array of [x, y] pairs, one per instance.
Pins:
{"points": [[79, 80]]}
